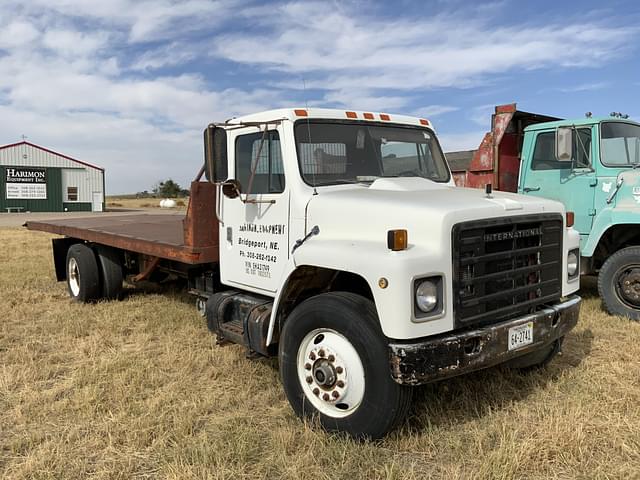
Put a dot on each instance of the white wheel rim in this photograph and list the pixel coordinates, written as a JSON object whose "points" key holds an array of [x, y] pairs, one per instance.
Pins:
{"points": [[327, 354], [74, 277]]}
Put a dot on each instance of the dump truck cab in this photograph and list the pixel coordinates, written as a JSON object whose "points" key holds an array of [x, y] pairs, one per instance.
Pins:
{"points": [[600, 184], [596, 180]]}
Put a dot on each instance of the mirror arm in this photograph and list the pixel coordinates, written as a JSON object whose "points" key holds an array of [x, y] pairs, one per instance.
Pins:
{"points": [[200, 173], [218, 203], [613, 194]]}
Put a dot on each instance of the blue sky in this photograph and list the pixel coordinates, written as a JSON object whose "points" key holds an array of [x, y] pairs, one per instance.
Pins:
{"points": [[130, 84]]}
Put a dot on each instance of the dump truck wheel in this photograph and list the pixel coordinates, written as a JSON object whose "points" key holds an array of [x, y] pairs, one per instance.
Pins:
{"points": [[334, 365], [619, 283], [110, 267], [83, 279], [538, 359]]}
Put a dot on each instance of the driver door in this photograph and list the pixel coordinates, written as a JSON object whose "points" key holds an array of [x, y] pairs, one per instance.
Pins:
{"points": [[254, 234], [571, 183]]}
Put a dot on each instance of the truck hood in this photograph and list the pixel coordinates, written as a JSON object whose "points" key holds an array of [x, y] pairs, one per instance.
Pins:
{"points": [[425, 208]]}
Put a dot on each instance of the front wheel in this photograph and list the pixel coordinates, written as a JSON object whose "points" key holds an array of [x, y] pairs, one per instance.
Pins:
{"points": [[334, 365], [619, 283]]}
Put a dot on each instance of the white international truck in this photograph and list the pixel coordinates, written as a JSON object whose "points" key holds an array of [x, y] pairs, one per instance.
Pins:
{"points": [[338, 241]]}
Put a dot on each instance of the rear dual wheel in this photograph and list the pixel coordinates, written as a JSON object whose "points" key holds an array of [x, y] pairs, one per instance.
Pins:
{"points": [[334, 365], [93, 275]]}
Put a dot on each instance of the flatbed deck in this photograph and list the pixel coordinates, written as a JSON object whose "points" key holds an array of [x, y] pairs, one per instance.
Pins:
{"points": [[157, 235]]}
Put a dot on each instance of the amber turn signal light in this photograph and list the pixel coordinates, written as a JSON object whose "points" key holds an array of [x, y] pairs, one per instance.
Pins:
{"points": [[570, 216], [397, 240]]}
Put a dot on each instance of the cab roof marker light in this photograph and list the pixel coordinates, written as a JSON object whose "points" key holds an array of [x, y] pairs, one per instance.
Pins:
{"points": [[368, 116], [384, 116], [301, 113], [424, 122], [351, 114]]}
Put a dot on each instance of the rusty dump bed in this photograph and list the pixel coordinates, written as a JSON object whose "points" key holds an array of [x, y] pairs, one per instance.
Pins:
{"points": [[190, 238]]}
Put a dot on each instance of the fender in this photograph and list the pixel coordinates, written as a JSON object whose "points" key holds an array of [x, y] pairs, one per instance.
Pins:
{"points": [[334, 255], [606, 219], [371, 261]]}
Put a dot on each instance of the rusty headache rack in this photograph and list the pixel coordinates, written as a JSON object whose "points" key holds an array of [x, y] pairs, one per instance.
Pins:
{"points": [[190, 238]]}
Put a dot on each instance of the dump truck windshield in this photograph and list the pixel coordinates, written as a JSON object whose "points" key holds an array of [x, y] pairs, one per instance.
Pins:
{"points": [[620, 144], [335, 152]]}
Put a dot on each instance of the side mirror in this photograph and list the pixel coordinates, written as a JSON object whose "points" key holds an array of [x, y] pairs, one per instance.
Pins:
{"points": [[564, 144], [231, 188], [215, 153]]}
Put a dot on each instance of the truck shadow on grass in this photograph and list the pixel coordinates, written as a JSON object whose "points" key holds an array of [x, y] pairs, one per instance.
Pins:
{"points": [[472, 396]]}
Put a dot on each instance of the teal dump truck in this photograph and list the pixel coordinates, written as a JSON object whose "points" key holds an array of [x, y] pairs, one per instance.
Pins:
{"points": [[592, 166]]}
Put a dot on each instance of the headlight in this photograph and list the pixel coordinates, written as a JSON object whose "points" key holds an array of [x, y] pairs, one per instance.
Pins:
{"points": [[427, 296], [572, 263]]}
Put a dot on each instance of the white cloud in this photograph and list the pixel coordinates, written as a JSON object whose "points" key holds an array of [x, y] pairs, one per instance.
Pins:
{"points": [[347, 50], [434, 110], [16, 34], [71, 43], [585, 87], [130, 84], [460, 141]]}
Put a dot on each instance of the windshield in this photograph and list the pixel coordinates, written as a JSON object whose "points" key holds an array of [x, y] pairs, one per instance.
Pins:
{"points": [[620, 144], [331, 153]]}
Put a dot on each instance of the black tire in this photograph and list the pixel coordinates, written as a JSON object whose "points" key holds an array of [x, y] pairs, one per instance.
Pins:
{"points": [[617, 296], [83, 277], [110, 268], [538, 359], [384, 404]]}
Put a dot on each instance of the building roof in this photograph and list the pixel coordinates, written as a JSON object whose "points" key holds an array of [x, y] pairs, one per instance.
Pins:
{"points": [[459, 161], [24, 142]]}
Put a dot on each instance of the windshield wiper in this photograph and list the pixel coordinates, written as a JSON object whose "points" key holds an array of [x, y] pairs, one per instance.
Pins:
{"points": [[343, 181]]}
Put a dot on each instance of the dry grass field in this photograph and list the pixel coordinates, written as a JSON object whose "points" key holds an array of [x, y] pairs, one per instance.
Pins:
{"points": [[138, 389]]}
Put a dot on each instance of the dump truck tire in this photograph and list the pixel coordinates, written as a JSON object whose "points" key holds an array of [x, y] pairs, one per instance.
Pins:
{"points": [[619, 283], [334, 365], [538, 359]]}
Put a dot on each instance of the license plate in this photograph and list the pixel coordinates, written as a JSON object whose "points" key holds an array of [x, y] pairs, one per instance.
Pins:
{"points": [[520, 336]]}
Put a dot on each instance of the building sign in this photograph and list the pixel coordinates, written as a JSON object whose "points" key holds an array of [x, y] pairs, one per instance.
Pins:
{"points": [[26, 183]]}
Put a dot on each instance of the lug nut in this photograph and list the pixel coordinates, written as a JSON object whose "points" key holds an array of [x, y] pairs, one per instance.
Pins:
{"points": [[316, 391], [307, 366], [312, 356], [331, 358], [339, 369], [325, 397], [340, 384], [321, 353], [626, 282], [335, 394], [309, 379]]}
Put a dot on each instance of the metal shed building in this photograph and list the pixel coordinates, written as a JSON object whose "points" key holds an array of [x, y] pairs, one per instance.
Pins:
{"points": [[36, 179]]}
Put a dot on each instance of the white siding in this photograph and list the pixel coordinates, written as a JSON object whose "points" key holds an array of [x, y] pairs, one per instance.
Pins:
{"points": [[87, 179]]}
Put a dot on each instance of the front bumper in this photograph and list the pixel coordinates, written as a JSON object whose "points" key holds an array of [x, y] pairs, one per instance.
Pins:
{"points": [[453, 354]]}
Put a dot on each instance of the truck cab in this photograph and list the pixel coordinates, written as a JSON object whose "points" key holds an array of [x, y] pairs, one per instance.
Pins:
{"points": [[338, 242], [600, 184], [596, 180]]}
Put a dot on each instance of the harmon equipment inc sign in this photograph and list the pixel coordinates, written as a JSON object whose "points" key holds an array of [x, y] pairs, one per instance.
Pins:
{"points": [[26, 183]]}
